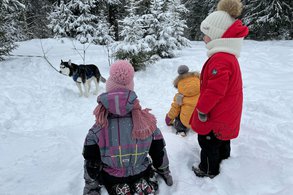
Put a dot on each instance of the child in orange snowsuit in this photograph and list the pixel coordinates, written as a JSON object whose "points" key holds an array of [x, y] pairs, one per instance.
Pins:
{"points": [[184, 101]]}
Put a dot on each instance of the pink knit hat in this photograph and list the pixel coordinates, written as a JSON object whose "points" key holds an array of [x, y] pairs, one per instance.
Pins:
{"points": [[121, 76]]}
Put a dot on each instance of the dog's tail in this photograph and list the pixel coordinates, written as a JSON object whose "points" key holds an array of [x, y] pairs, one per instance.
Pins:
{"points": [[102, 79]]}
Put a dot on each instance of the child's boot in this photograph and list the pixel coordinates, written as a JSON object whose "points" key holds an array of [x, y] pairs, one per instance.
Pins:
{"points": [[142, 187], [165, 174], [121, 189], [182, 133], [199, 173], [180, 128], [92, 188]]}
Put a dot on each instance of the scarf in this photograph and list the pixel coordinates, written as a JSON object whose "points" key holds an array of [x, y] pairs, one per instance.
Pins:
{"points": [[228, 45], [144, 123]]}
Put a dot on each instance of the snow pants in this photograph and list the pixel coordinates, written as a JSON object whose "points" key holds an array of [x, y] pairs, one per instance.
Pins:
{"points": [[213, 151], [110, 181]]}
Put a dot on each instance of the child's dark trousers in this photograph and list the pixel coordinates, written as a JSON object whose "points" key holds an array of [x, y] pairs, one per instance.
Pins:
{"points": [[213, 151]]}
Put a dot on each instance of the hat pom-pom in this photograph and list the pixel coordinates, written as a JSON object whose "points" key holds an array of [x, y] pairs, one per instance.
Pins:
{"points": [[182, 69], [232, 7]]}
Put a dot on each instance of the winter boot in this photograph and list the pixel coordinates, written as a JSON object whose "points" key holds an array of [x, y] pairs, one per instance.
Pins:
{"points": [[199, 173], [152, 180], [180, 128], [92, 188], [121, 189], [165, 174], [142, 187], [182, 133]]}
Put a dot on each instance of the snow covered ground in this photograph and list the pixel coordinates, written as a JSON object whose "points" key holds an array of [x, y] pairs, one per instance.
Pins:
{"points": [[43, 122]]}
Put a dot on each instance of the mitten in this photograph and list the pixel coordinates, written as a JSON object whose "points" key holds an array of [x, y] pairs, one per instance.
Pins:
{"points": [[93, 169], [91, 173], [179, 99], [202, 117], [168, 120], [92, 188]]}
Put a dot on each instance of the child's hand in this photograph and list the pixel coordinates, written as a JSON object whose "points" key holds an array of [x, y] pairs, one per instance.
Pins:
{"points": [[202, 117], [168, 120]]}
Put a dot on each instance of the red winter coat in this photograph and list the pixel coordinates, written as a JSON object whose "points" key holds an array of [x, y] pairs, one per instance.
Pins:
{"points": [[221, 94]]}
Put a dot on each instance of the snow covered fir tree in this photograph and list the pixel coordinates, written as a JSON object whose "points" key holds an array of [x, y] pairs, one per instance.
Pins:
{"points": [[133, 46], [269, 19], [75, 19], [167, 25], [61, 19], [9, 10], [157, 32], [197, 11]]}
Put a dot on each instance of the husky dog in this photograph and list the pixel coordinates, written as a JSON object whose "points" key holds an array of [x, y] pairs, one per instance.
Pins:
{"points": [[82, 74]]}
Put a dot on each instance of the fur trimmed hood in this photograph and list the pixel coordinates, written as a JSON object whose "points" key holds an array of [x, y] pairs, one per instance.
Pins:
{"points": [[183, 76], [187, 83]]}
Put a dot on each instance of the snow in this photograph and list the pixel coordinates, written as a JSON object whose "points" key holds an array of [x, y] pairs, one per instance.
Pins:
{"points": [[43, 121]]}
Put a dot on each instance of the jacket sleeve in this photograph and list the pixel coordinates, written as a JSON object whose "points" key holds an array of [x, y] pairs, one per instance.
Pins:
{"points": [[174, 110], [92, 163], [91, 150], [158, 151], [215, 89]]}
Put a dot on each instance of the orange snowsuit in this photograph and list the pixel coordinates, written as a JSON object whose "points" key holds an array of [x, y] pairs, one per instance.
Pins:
{"points": [[188, 85]]}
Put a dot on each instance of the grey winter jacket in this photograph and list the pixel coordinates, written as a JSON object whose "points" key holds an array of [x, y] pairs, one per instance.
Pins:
{"points": [[114, 147]]}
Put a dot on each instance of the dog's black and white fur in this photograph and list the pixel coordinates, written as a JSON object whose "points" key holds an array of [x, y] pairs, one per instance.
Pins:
{"points": [[82, 74]]}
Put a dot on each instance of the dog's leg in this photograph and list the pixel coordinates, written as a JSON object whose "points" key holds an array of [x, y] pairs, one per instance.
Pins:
{"points": [[79, 88], [89, 85], [97, 86], [86, 88]]}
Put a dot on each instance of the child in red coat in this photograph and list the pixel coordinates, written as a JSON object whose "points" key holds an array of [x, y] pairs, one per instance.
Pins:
{"points": [[216, 117]]}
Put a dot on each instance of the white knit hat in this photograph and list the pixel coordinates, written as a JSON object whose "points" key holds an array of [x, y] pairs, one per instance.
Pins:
{"points": [[216, 24]]}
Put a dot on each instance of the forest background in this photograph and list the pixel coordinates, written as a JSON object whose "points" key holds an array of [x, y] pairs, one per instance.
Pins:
{"points": [[145, 29]]}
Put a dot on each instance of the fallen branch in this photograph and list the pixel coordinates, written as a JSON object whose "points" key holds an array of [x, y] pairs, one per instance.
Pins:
{"points": [[45, 57], [37, 56]]}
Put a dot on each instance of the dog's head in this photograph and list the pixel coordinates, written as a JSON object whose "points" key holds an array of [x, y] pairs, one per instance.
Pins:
{"points": [[65, 67]]}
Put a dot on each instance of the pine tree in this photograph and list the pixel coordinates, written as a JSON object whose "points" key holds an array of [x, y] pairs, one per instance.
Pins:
{"points": [[104, 34], [83, 20], [156, 32], [144, 7], [10, 17], [157, 28], [165, 28], [34, 18], [176, 25], [197, 11], [61, 19], [116, 11], [111, 11], [133, 46], [6, 44], [7, 9], [271, 19], [85, 23]]}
